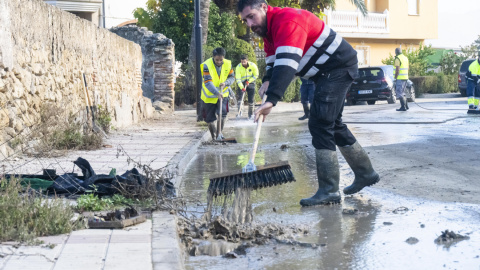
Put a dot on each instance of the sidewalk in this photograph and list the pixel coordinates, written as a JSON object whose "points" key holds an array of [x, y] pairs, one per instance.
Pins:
{"points": [[169, 141]]}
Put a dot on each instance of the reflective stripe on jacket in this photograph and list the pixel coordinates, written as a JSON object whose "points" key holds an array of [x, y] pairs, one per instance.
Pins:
{"points": [[403, 73], [206, 95], [249, 74]]}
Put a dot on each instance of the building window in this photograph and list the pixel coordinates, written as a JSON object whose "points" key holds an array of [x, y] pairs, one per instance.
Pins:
{"points": [[363, 55], [412, 7]]}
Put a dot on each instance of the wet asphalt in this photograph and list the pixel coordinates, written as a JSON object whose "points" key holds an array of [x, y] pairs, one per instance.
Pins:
{"points": [[368, 230]]}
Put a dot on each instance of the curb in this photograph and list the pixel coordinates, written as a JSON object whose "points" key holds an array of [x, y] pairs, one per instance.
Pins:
{"points": [[177, 165], [167, 252]]}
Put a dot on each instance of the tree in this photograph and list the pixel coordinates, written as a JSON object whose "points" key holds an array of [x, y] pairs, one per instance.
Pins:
{"points": [[472, 50], [175, 21], [450, 62], [417, 59], [145, 17]]}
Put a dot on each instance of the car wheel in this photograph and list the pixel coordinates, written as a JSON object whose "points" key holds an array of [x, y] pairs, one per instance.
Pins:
{"points": [[371, 102], [411, 94], [351, 102], [463, 92], [393, 98]]}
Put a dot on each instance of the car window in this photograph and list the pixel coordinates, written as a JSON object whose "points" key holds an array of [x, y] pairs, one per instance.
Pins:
{"points": [[465, 65], [370, 73]]}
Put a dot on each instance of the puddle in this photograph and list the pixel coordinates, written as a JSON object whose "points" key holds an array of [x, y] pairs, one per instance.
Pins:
{"points": [[375, 229]]}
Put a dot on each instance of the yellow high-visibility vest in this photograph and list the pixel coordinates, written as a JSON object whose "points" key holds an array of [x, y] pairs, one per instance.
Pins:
{"points": [[474, 68], [249, 74], [206, 95], [403, 73]]}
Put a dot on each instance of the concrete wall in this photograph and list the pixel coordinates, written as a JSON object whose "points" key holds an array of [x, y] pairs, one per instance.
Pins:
{"points": [[44, 51], [158, 67]]}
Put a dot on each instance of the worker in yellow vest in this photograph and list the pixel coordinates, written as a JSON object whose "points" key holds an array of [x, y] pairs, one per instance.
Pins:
{"points": [[473, 87], [246, 73], [218, 75], [401, 77]]}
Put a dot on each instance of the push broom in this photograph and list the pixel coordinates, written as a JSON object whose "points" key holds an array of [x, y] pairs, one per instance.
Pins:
{"points": [[220, 137], [251, 176], [240, 108]]}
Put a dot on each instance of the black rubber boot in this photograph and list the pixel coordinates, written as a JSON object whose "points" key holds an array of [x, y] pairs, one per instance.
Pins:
{"points": [[328, 175], [402, 102], [406, 104], [306, 109], [251, 106], [213, 130], [361, 166]]}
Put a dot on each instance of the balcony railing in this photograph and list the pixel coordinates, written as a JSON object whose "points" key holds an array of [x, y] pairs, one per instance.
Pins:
{"points": [[355, 22]]}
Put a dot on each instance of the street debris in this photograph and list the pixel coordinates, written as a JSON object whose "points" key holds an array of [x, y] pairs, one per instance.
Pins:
{"points": [[219, 232], [412, 240], [448, 238], [400, 210], [117, 219], [349, 211]]}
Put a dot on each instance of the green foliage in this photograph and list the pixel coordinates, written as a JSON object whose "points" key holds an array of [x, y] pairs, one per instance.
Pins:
{"points": [[145, 16], [25, 214], [292, 94], [439, 83], [451, 62], [91, 202], [236, 47], [471, 51], [175, 21], [220, 28], [104, 118], [417, 59]]}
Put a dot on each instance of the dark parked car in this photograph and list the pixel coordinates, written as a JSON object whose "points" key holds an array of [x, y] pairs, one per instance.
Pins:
{"points": [[376, 83], [462, 81]]}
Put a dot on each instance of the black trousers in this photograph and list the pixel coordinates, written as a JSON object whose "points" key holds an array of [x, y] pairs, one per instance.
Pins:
{"points": [[325, 122], [250, 93], [211, 110]]}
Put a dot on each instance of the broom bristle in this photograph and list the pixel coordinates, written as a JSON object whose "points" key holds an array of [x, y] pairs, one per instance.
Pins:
{"points": [[264, 176], [228, 140]]}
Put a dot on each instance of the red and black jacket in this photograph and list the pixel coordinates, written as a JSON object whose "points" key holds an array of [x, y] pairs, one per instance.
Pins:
{"points": [[299, 43]]}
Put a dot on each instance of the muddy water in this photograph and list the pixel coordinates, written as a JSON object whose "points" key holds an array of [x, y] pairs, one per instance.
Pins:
{"points": [[374, 237]]}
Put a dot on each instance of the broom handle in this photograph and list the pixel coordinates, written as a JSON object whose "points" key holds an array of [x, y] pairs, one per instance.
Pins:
{"points": [[219, 120], [257, 132]]}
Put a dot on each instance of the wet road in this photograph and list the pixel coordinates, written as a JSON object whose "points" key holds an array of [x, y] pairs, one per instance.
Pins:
{"points": [[421, 158]]}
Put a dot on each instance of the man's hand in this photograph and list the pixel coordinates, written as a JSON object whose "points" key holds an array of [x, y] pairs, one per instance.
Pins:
{"points": [[247, 83], [264, 110], [220, 95], [243, 90], [263, 88], [222, 85]]}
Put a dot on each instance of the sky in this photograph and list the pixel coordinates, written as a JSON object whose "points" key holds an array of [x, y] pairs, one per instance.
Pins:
{"points": [[458, 23]]}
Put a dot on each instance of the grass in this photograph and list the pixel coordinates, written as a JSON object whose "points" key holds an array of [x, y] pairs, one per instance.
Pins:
{"points": [[26, 214]]}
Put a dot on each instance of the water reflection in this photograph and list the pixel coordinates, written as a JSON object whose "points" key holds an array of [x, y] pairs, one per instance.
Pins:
{"points": [[372, 238]]}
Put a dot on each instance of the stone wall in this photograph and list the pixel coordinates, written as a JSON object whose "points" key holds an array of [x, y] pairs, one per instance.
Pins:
{"points": [[158, 67], [44, 52]]}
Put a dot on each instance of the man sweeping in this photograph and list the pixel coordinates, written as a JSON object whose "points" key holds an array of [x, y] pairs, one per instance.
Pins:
{"points": [[246, 73], [298, 43], [217, 75]]}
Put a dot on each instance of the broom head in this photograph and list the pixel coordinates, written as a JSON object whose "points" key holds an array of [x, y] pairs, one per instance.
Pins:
{"points": [[265, 176]]}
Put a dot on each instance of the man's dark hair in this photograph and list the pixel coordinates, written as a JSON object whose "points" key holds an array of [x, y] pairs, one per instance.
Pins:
{"points": [[253, 4], [243, 57], [219, 51]]}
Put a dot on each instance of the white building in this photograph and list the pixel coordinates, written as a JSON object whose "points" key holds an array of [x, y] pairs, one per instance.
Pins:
{"points": [[116, 11]]}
